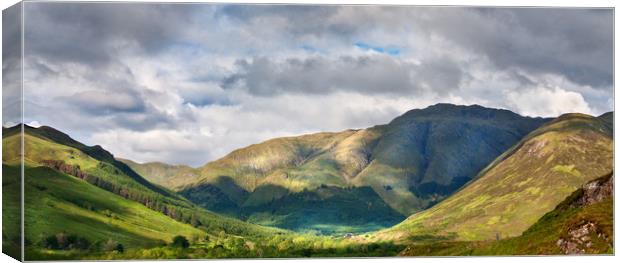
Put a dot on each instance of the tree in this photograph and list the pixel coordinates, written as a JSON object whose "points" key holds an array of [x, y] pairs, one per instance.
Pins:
{"points": [[120, 248], [50, 242], [180, 241]]}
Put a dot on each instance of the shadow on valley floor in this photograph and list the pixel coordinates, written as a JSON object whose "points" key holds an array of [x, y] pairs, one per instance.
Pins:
{"points": [[326, 210]]}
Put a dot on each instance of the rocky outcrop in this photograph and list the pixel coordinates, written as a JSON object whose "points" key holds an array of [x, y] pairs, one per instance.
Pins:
{"points": [[595, 191], [579, 239]]}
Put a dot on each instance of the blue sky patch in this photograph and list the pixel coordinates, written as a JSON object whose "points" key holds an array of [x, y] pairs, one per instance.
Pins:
{"points": [[392, 51]]}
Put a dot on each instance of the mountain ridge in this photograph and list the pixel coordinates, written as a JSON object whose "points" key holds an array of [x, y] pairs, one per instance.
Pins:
{"points": [[412, 162]]}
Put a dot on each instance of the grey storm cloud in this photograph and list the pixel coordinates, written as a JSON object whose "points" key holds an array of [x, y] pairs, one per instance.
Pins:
{"points": [[94, 33], [299, 19], [573, 42], [576, 43], [127, 108], [105, 102], [367, 74], [11, 65]]}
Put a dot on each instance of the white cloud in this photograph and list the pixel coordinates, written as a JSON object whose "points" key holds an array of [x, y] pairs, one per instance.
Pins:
{"points": [[547, 102], [35, 124]]}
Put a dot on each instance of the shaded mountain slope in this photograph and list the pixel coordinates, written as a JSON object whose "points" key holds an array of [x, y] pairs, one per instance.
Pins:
{"points": [[581, 224], [427, 154], [521, 185]]}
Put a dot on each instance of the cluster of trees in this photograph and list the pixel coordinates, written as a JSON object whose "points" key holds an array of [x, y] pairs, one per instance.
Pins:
{"points": [[65, 241], [227, 246], [282, 246]]}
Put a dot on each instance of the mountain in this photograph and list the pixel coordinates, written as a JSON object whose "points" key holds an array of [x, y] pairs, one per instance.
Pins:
{"points": [[521, 185], [163, 174], [581, 224], [411, 163], [84, 193]]}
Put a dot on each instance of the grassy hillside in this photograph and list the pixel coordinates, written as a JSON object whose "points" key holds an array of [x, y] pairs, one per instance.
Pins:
{"points": [[578, 225], [70, 187], [520, 186], [411, 163], [73, 206]]}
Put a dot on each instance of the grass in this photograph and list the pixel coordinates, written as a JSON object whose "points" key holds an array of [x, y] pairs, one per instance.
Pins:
{"points": [[110, 204], [71, 205], [11, 211], [74, 206]]}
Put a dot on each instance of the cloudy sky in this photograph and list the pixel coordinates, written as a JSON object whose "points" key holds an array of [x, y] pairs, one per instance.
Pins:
{"points": [[187, 84]]}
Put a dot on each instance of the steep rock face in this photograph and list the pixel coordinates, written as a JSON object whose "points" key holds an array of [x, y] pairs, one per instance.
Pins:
{"points": [[413, 162], [521, 185]]}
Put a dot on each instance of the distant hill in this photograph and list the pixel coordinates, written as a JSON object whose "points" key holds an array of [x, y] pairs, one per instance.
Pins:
{"points": [[411, 163], [163, 174], [521, 185]]}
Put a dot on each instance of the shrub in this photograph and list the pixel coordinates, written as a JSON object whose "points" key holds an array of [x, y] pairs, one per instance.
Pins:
{"points": [[120, 248], [180, 241]]}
